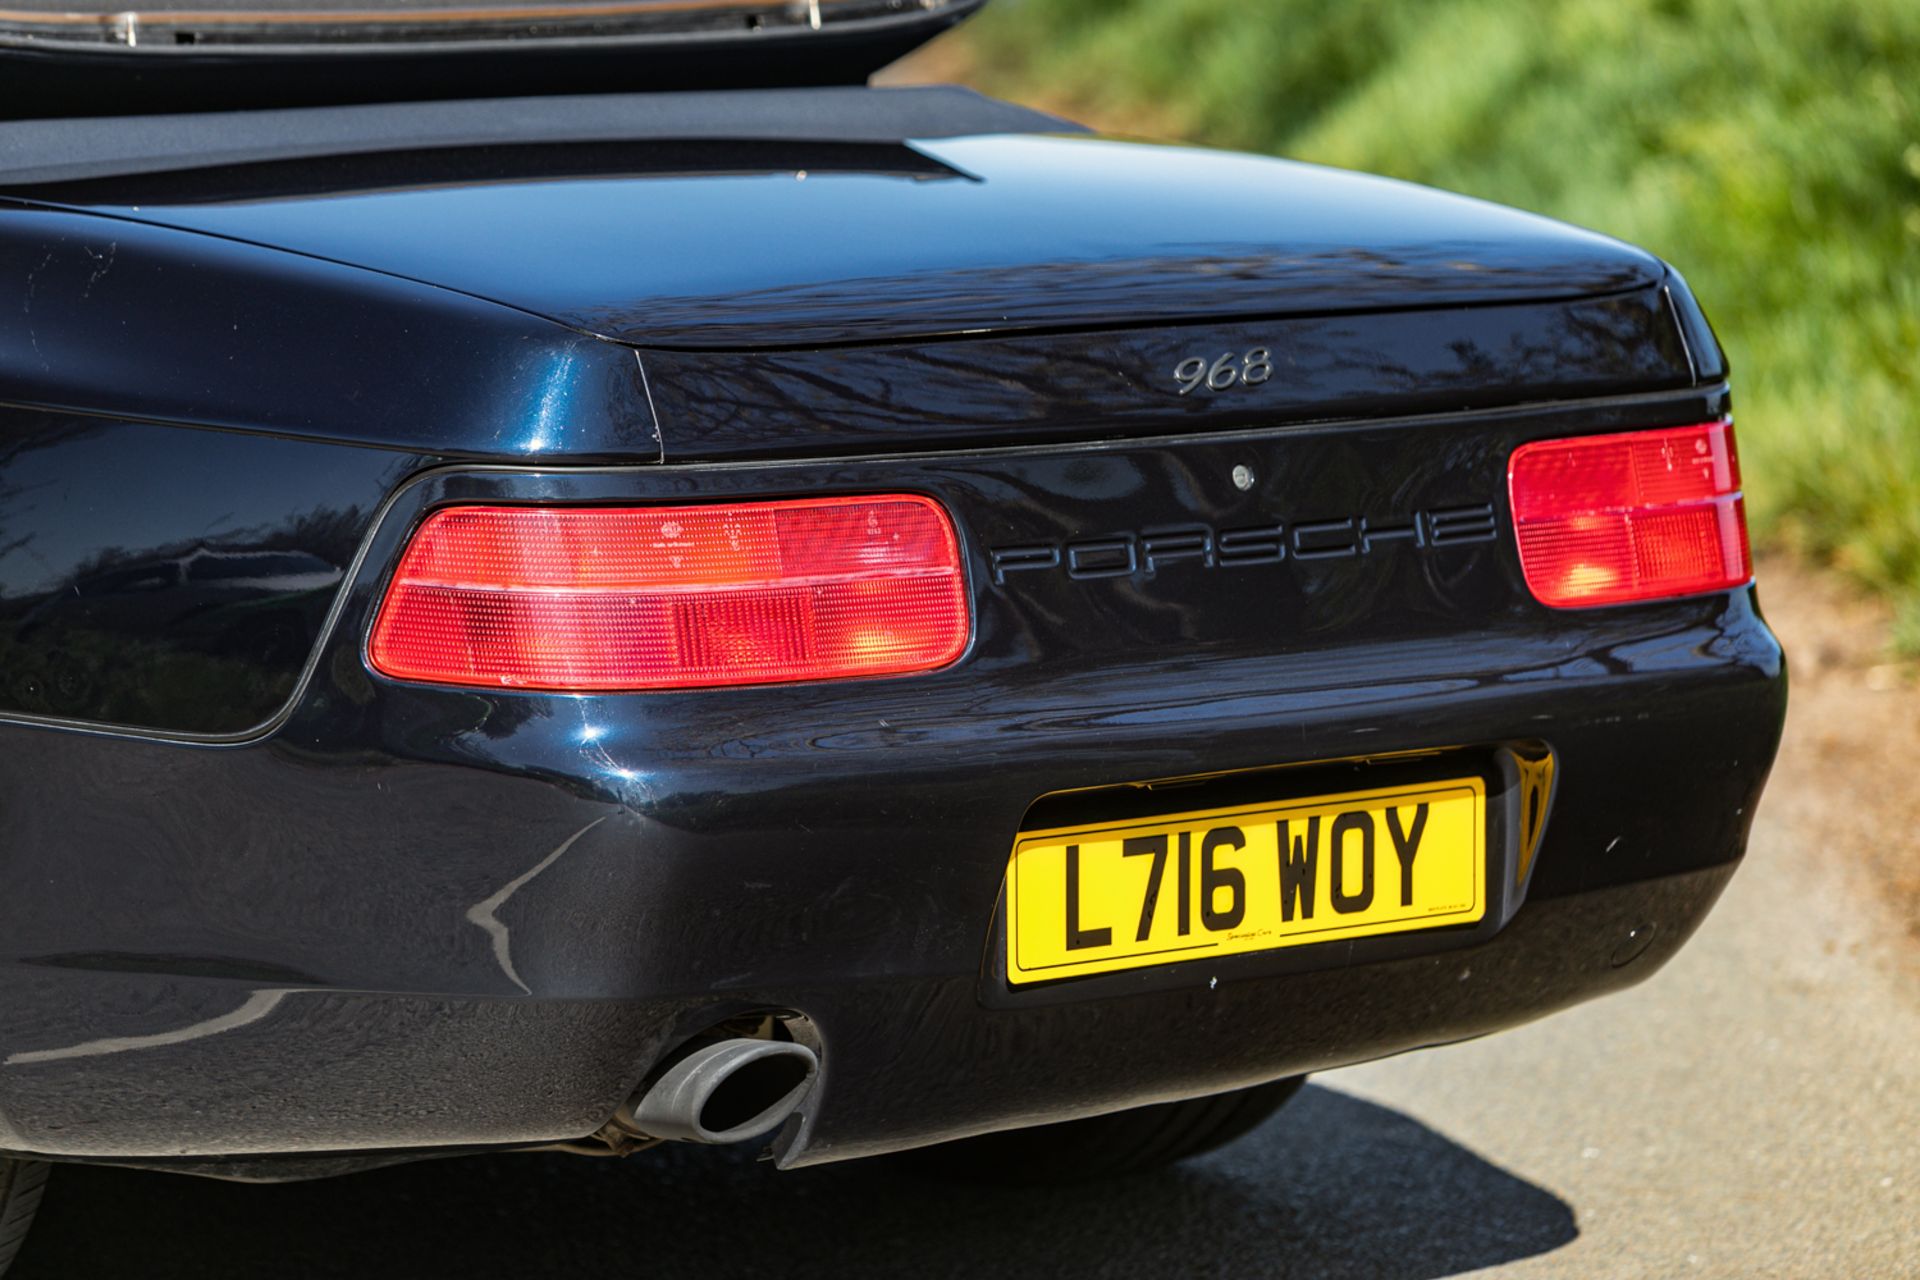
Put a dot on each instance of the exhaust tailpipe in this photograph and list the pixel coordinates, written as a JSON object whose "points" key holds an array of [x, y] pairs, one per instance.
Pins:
{"points": [[726, 1092]]}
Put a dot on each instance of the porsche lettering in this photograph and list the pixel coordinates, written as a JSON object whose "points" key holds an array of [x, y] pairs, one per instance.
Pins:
{"points": [[1146, 552]]}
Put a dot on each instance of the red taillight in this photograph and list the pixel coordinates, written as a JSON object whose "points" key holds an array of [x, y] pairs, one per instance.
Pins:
{"points": [[610, 598], [1639, 516]]}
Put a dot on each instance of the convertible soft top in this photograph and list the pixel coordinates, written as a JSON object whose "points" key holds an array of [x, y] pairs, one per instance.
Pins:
{"points": [[70, 150], [97, 57]]}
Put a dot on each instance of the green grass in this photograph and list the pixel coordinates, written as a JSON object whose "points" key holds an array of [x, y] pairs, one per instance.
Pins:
{"points": [[1770, 149]]}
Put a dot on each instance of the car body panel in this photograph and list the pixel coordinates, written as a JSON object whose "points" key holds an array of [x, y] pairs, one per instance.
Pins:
{"points": [[329, 381], [267, 909], [1001, 233], [1116, 383], [127, 320], [129, 604], [308, 921]]}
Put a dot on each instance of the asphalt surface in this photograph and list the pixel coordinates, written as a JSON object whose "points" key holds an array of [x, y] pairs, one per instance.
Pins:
{"points": [[1753, 1110]]}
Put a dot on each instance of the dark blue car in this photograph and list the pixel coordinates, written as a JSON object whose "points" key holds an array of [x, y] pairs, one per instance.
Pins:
{"points": [[574, 577]]}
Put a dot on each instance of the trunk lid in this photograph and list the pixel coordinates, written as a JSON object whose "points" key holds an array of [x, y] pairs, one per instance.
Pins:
{"points": [[821, 272], [760, 242]]}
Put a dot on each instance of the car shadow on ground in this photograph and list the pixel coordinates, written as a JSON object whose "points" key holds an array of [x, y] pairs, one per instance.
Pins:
{"points": [[1333, 1186]]}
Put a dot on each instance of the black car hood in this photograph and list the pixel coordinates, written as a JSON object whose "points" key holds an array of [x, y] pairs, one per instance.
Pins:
{"points": [[763, 241]]}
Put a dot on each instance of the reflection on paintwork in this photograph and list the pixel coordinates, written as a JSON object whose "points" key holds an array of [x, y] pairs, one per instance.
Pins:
{"points": [[552, 407], [188, 606], [486, 912], [1121, 381], [255, 1007]]}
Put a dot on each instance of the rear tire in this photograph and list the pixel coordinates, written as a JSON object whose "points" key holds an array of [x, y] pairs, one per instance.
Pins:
{"points": [[1109, 1146], [21, 1182]]}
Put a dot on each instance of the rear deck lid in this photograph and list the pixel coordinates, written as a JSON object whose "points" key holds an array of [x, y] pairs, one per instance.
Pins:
{"points": [[805, 230]]}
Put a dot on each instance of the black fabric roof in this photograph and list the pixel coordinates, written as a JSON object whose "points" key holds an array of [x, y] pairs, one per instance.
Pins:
{"points": [[34, 152], [59, 62]]}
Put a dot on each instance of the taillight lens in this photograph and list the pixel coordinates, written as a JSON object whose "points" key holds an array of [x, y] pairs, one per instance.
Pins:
{"points": [[613, 598], [1643, 515]]}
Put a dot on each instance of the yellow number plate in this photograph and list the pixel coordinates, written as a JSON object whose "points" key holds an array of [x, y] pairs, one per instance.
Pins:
{"points": [[1219, 882]]}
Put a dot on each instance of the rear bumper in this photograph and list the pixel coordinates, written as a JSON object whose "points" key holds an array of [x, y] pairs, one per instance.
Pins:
{"points": [[920, 1063], [313, 1074], [468, 929], [400, 919]]}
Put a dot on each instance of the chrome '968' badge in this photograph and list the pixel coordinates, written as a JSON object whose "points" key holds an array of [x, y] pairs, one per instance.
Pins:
{"points": [[1230, 369]]}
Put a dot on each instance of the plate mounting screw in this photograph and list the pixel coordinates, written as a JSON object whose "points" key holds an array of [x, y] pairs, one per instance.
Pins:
{"points": [[1243, 478]]}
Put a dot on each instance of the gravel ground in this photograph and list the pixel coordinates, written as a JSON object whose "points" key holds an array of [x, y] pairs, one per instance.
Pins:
{"points": [[1752, 1111]]}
